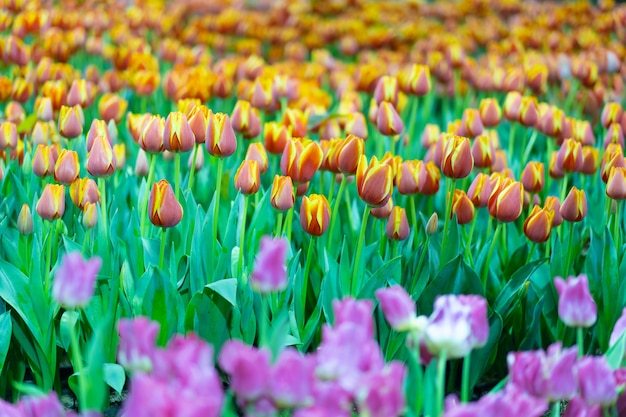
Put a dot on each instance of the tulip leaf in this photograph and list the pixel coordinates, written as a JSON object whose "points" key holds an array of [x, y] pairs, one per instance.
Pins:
{"points": [[616, 353], [6, 328], [480, 357], [451, 249], [68, 322], [227, 289], [114, 376], [160, 304], [391, 269], [520, 278], [533, 331]]}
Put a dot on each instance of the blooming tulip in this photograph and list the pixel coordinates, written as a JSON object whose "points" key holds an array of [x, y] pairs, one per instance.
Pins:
{"points": [[269, 273], [75, 280], [315, 214], [374, 181], [398, 307], [574, 207], [576, 305]]}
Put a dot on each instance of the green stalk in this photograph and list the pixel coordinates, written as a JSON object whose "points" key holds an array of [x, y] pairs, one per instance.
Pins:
{"points": [[218, 192], [51, 232], [335, 212], [103, 204], [162, 249], [529, 148], [563, 192], [441, 374], [242, 235], [144, 202], [412, 210], [467, 364], [490, 255], [616, 226], [279, 224], [468, 244], [569, 259], [415, 352], [450, 188], [580, 341], [263, 322], [289, 222], [193, 167], [359, 250], [177, 175], [418, 270], [556, 409], [530, 252], [512, 139], [78, 363], [307, 269]]}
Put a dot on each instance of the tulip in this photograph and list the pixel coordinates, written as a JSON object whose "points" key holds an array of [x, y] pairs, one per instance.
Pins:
{"points": [[590, 161], [245, 119], [552, 123], [374, 181], [616, 184], [507, 201], [618, 329], [248, 368], [386, 90], [480, 190], [269, 273], [538, 224], [533, 177], [247, 177], [576, 305], [137, 350], [383, 212], [141, 164], [463, 207], [611, 113], [135, 124], [297, 121], [554, 169], [472, 123], [614, 134], [177, 135], [151, 137], [429, 178], [44, 160], [263, 96], [574, 207], [512, 105], [67, 167], [90, 215], [528, 112], [430, 136], [51, 204], [397, 224], [301, 159], [112, 107], [83, 191], [552, 203], [292, 379], [101, 160], [282, 197], [407, 177], [598, 385], [163, 208], [490, 112], [388, 121], [398, 308], [220, 136], [8, 136], [315, 214], [457, 160], [25, 221], [71, 121], [276, 136], [257, 152], [483, 152], [97, 128], [198, 117], [75, 280], [613, 157], [583, 133], [415, 80], [349, 153], [356, 125], [570, 156]]}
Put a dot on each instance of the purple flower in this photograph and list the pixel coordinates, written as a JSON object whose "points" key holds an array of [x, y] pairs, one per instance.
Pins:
{"points": [[45, 406], [249, 369], [383, 394], [618, 329], [292, 379], [509, 402], [269, 273], [137, 345], [8, 409], [457, 325], [577, 407], [576, 305], [597, 381], [550, 375], [358, 312], [398, 307], [75, 280]]}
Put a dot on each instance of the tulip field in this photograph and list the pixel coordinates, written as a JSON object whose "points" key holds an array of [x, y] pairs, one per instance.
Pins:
{"points": [[312, 208]]}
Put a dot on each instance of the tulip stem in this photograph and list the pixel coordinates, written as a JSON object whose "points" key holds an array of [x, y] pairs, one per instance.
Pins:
{"points": [[580, 341], [305, 277], [144, 203], [569, 259], [162, 249], [467, 366], [242, 236], [51, 231], [530, 252], [263, 322], [418, 270], [103, 204], [216, 207], [490, 255], [177, 175], [419, 377], [412, 210], [556, 409], [529, 147], [512, 140], [468, 244], [78, 364], [450, 188], [279, 224], [289, 222], [193, 167], [359, 249], [441, 373], [333, 216], [616, 226]]}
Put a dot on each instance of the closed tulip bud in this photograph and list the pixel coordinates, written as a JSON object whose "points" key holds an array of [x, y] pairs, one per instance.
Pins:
{"points": [[528, 112], [257, 152], [83, 191], [388, 120], [408, 176], [315, 214], [67, 167], [349, 153], [533, 177], [431, 135], [8, 136], [41, 133], [119, 152], [383, 212], [512, 105], [386, 90], [90, 216], [247, 178], [151, 138], [245, 119], [480, 190], [22, 90], [112, 107], [570, 156], [135, 124], [297, 121], [51, 204], [507, 201], [80, 93], [590, 162], [163, 208], [582, 132], [44, 160], [263, 96], [374, 181], [574, 207], [483, 152], [472, 123], [457, 160], [613, 157], [537, 78], [14, 112], [301, 159], [282, 196], [616, 184], [432, 225], [611, 113], [356, 125], [220, 136], [43, 109], [397, 224], [71, 122], [614, 134], [554, 169], [538, 225], [177, 135], [553, 203], [552, 122], [463, 207], [101, 160], [329, 129], [276, 136], [429, 178], [415, 80], [198, 118], [97, 128], [490, 112], [141, 164], [25, 221]]}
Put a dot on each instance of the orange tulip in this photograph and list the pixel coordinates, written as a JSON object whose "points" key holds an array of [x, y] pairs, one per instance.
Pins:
{"points": [[101, 160], [282, 197], [83, 191], [374, 181], [247, 177], [163, 208], [616, 184], [457, 160], [533, 177], [315, 214], [574, 207], [177, 135], [463, 207], [397, 224], [71, 121], [301, 159], [507, 200], [67, 167], [538, 225], [220, 136]]}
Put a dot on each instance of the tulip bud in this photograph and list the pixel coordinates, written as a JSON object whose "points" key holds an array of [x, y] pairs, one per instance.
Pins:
{"points": [[611, 113], [415, 80], [245, 119], [408, 176], [616, 184], [552, 122], [537, 78], [512, 105], [71, 121], [101, 160], [276, 136], [463, 207], [429, 178], [386, 90], [135, 124], [44, 160], [490, 112], [83, 191], [220, 136], [430, 136], [574, 207], [43, 109], [374, 181], [538, 225], [297, 121], [388, 120], [282, 197], [301, 159], [141, 164], [262, 95], [97, 128], [8, 135], [51, 204], [349, 153], [528, 112], [483, 152], [112, 107], [256, 152], [590, 162], [163, 208], [90, 215], [433, 223], [554, 170], [576, 305], [614, 134], [397, 224], [533, 177], [247, 179], [472, 123], [315, 214], [198, 118], [67, 167], [507, 200], [25, 221], [356, 125], [383, 212], [177, 135], [151, 137], [480, 190], [456, 161]]}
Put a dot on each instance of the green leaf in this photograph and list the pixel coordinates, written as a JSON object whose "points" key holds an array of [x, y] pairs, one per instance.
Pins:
{"points": [[452, 248], [114, 376], [480, 357], [520, 278], [227, 288], [391, 269], [616, 353], [159, 304], [533, 331], [68, 322], [6, 328]]}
